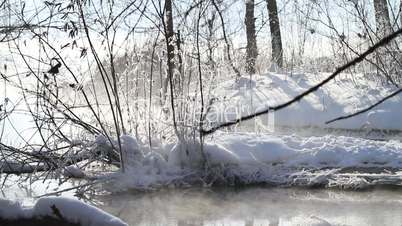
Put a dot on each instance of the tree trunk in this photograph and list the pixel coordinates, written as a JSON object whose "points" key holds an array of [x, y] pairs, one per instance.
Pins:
{"points": [[276, 39], [400, 14], [169, 35], [383, 22], [210, 39], [252, 51]]}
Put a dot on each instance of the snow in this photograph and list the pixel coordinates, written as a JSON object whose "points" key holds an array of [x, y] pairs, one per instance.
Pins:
{"points": [[75, 211], [343, 96], [218, 155], [12, 210], [74, 172], [250, 149], [297, 151], [70, 209], [255, 157], [132, 154], [303, 220], [155, 161], [262, 158], [186, 155]]}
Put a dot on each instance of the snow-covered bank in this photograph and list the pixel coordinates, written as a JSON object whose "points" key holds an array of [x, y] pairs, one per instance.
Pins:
{"points": [[64, 209], [340, 97], [325, 161], [325, 151], [279, 159], [246, 158]]}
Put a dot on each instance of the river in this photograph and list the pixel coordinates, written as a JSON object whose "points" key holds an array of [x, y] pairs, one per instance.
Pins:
{"points": [[258, 206]]}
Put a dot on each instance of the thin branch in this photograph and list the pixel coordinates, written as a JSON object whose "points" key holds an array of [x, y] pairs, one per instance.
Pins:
{"points": [[366, 109], [226, 39]]}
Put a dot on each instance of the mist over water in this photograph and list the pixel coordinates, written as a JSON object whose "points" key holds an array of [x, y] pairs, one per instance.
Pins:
{"points": [[257, 206], [245, 206]]}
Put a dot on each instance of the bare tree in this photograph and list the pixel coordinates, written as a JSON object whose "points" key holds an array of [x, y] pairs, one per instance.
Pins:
{"points": [[383, 23], [169, 37], [252, 50], [276, 39], [400, 13]]}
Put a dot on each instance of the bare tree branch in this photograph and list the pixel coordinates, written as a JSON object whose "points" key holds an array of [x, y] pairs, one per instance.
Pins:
{"points": [[366, 109]]}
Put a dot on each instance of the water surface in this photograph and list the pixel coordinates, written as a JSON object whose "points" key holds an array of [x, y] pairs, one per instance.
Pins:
{"points": [[257, 206]]}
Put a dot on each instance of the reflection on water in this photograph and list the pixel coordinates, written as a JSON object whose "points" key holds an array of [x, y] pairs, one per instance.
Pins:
{"points": [[257, 206], [26, 189], [249, 206]]}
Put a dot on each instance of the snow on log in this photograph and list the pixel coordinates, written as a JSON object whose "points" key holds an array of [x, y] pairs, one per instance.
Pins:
{"points": [[73, 172]]}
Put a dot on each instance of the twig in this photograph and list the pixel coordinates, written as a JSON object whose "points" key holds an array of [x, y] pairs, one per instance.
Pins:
{"points": [[366, 109], [226, 39]]}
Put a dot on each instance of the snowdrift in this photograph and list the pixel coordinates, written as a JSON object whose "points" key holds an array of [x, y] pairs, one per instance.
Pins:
{"points": [[342, 96], [249, 158]]}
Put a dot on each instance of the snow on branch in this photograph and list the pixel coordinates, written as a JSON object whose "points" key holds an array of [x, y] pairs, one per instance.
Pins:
{"points": [[37, 161]]}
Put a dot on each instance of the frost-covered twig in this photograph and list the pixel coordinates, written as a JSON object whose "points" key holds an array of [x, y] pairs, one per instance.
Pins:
{"points": [[31, 162]]}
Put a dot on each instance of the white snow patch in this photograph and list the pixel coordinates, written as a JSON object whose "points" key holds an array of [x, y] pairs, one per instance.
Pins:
{"points": [[339, 97], [325, 151], [306, 221], [73, 171], [132, 153], [186, 154], [253, 158], [13, 210], [219, 155], [72, 210]]}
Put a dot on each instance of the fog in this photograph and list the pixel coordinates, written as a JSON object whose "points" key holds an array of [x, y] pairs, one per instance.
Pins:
{"points": [[257, 206]]}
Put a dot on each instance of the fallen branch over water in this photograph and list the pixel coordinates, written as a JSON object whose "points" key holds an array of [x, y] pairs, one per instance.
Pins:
{"points": [[31, 162]]}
